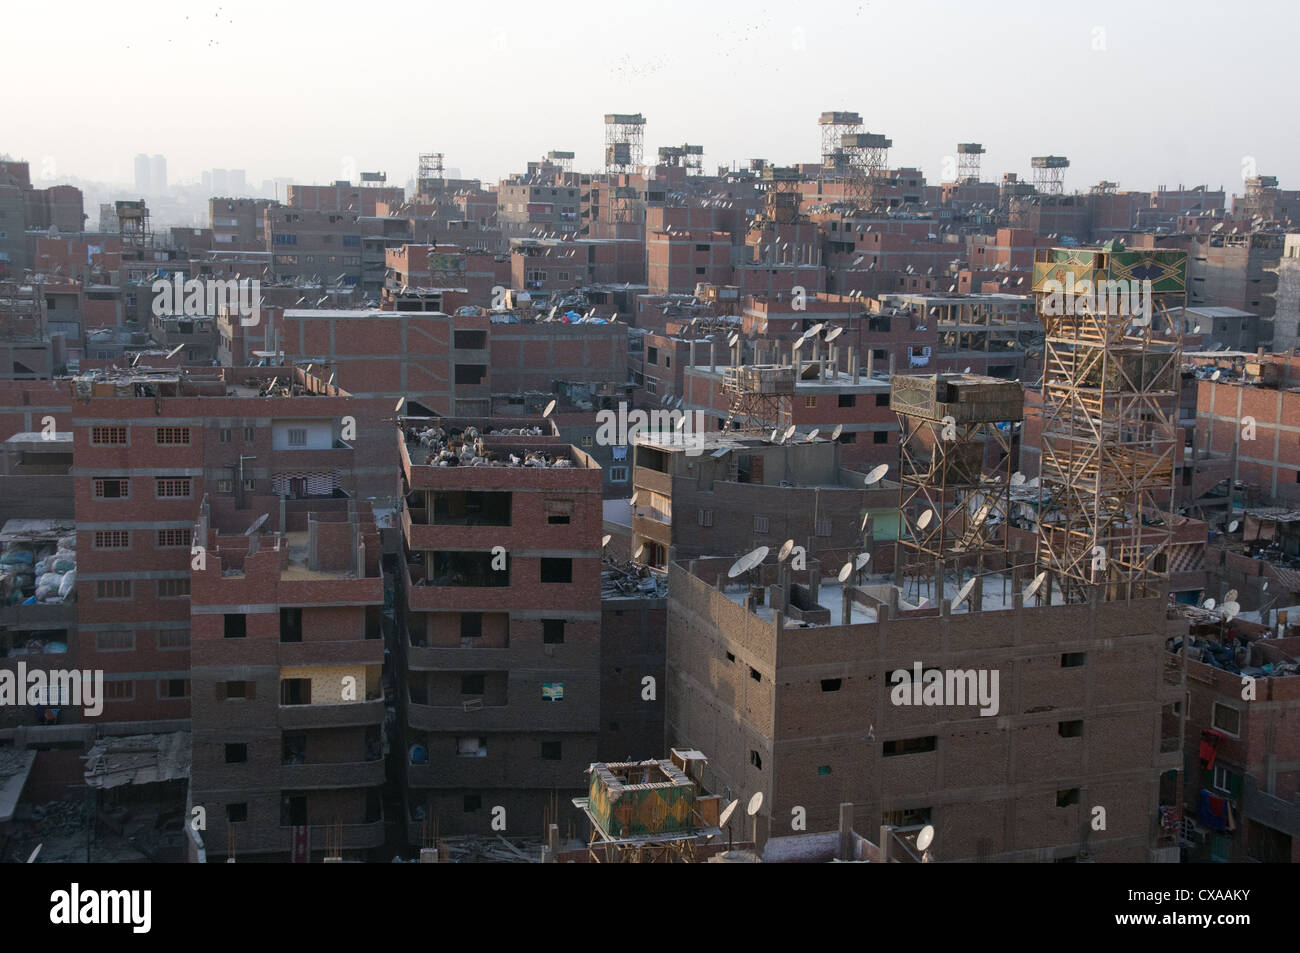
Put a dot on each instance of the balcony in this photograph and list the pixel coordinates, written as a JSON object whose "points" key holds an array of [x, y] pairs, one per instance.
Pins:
{"points": [[435, 659], [350, 774], [269, 838], [453, 718], [368, 651], [335, 715]]}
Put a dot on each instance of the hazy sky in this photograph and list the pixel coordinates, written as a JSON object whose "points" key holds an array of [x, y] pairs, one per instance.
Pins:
{"points": [[1140, 92]]}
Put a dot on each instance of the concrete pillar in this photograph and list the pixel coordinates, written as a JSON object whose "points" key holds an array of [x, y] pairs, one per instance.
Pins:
{"points": [[846, 604], [892, 363], [871, 362], [886, 842], [846, 831]]}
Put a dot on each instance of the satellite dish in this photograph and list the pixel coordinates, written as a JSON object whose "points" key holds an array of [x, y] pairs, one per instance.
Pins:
{"points": [[1017, 478], [812, 436], [863, 527], [1232, 527], [786, 549], [926, 519], [1229, 596], [604, 540], [640, 552], [833, 334], [1208, 604], [549, 409], [861, 560], [967, 371], [1230, 610], [1197, 329], [835, 434], [747, 562], [755, 804], [789, 432], [1034, 586], [400, 402], [174, 351], [1264, 586], [731, 341], [925, 838], [845, 571], [1216, 375], [727, 812], [632, 501], [963, 592], [775, 435], [877, 474]]}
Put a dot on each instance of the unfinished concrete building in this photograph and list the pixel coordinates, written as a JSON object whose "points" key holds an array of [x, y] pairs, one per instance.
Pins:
{"points": [[287, 656], [735, 491], [502, 606]]}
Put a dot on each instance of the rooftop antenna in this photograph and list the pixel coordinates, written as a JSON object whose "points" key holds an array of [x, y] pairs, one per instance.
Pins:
{"points": [[964, 592], [752, 809], [747, 562]]}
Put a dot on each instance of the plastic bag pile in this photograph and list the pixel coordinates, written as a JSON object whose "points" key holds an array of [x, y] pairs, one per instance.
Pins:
{"points": [[39, 574]]}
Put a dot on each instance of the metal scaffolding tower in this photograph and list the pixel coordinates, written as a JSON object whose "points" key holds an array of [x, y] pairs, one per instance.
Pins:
{"points": [[1049, 174], [951, 429], [1110, 430], [781, 196], [430, 175], [835, 125], [561, 158], [761, 395], [968, 161], [868, 154], [624, 142]]}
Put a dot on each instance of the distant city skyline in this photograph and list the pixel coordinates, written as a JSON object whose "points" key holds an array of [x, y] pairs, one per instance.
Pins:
{"points": [[1112, 86]]}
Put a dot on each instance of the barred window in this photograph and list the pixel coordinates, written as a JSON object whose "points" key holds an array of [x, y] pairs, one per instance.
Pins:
{"points": [[173, 588], [168, 538], [173, 435], [113, 589], [173, 688], [114, 641], [119, 690], [174, 638], [297, 436], [225, 486], [112, 488], [223, 435], [107, 436], [823, 527], [173, 487], [706, 517], [112, 539], [760, 524]]}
